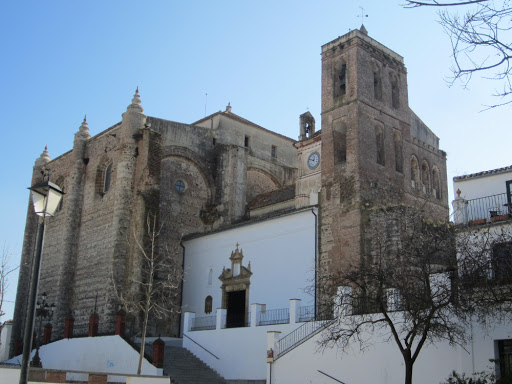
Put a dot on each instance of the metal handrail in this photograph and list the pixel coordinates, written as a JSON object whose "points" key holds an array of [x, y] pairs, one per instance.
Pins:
{"points": [[203, 323], [487, 207], [273, 316], [195, 342], [329, 376], [300, 335]]}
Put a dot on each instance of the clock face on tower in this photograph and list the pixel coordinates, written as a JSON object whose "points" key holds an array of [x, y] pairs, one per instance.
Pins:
{"points": [[313, 160]]}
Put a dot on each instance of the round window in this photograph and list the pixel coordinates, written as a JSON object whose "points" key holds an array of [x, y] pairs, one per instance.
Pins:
{"points": [[180, 186]]}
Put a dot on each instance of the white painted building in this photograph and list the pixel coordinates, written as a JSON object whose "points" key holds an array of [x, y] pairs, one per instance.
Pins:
{"points": [[280, 253], [277, 264], [5, 337], [482, 196]]}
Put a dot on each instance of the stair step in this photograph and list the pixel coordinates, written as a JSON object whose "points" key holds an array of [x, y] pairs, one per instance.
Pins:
{"points": [[185, 368]]}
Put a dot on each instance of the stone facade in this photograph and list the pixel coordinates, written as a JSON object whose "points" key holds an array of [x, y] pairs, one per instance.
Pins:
{"points": [[372, 150]]}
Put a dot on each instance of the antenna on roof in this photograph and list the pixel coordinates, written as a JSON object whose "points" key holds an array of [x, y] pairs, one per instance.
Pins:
{"points": [[205, 102], [362, 15]]}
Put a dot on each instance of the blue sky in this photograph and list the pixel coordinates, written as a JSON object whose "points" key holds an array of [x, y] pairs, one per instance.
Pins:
{"points": [[64, 59]]}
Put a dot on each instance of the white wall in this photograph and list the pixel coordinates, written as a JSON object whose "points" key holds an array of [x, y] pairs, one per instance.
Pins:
{"points": [[241, 352], [382, 362], [488, 185], [108, 354], [282, 256], [11, 375], [5, 338]]}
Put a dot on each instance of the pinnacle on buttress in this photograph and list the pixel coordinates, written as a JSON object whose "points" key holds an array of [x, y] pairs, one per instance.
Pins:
{"points": [[135, 106], [84, 127], [44, 158], [363, 29], [83, 130]]}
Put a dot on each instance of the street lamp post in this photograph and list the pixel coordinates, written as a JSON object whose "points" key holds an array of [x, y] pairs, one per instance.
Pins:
{"points": [[46, 197], [43, 311]]}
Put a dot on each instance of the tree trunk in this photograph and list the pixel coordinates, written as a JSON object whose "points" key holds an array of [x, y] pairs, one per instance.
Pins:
{"points": [[143, 337], [408, 372]]}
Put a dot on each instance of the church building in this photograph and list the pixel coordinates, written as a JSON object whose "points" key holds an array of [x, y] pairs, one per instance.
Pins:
{"points": [[253, 216]]}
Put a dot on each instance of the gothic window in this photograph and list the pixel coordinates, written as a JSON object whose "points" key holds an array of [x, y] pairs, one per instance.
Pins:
{"points": [[246, 141], [208, 304], [436, 183], [103, 178], [425, 177], [395, 100], [398, 152], [377, 82], [340, 80], [379, 141], [108, 175], [415, 173]]}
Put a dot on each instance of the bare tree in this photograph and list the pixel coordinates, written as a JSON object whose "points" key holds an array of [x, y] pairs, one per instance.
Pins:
{"points": [[400, 289], [156, 288], [481, 40], [5, 271], [485, 270]]}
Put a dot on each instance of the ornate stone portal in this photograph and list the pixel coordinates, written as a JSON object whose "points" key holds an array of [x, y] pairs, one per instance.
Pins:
{"points": [[235, 290]]}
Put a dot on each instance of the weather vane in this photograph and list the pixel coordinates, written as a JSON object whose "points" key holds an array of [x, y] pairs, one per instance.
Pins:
{"points": [[362, 15]]}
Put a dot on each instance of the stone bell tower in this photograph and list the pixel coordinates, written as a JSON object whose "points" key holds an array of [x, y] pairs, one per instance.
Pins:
{"points": [[364, 111]]}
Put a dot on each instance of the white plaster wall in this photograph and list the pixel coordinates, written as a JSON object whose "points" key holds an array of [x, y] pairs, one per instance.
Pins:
{"points": [[107, 354], [241, 351], [5, 338], [382, 362], [282, 256], [11, 375], [482, 186]]}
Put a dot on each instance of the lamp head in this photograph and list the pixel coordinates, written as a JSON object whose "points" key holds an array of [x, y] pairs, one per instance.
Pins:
{"points": [[46, 197]]}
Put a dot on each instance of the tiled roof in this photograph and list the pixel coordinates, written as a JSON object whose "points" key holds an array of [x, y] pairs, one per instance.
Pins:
{"points": [[273, 197], [484, 173]]}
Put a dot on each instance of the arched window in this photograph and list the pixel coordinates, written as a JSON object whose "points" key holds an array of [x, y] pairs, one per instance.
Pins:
{"points": [[377, 82], [397, 137], [395, 98], [340, 79], [436, 183], [415, 173], [425, 177], [108, 175], [208, 303], [379, 141], [103, 178]]}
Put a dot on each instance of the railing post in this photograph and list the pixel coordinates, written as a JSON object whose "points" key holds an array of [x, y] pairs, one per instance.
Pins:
{"points": [[393, 300], [272, 339], [187, 321], [459, 210], [294, 310], [221, 318], [342, 304], [255, 311]]}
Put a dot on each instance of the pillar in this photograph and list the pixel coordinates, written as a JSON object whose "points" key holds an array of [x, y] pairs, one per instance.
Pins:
{"points": [[158, 353], [47, 335], [68, 327], [94, 320], [120, 322]]}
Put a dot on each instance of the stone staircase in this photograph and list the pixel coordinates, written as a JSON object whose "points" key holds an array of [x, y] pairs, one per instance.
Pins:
{"points": [[185, 368]]}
